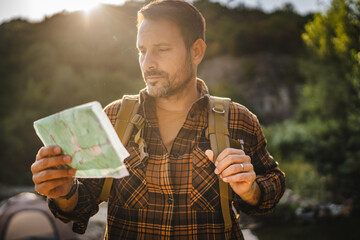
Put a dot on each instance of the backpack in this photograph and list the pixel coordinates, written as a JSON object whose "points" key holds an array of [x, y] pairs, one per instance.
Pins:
{"points": [[27, 216], [217, 132]]}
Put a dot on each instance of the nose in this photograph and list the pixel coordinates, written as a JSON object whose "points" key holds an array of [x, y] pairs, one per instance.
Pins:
{"points": [[148, 61]]}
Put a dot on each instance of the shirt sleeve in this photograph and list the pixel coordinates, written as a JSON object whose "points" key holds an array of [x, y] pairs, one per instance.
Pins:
{"points": [[87, 206], [269, 177]]}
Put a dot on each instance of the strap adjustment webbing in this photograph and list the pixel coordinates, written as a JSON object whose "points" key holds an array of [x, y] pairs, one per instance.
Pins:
{"points": [[219, 140]]}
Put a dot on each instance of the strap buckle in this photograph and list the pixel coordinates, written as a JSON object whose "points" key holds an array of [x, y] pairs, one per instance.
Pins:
{"points": [[138, 120], [131, 97], [218, 111]]}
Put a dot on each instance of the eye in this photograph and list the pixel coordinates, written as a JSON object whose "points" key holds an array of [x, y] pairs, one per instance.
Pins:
{"points": [[164, 49]]}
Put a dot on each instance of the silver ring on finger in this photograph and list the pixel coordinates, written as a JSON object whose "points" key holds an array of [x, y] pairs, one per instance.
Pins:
{"points": [[242, 166]]}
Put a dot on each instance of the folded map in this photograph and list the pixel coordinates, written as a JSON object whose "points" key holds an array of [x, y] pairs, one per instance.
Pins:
{"points": [[86, 134]]}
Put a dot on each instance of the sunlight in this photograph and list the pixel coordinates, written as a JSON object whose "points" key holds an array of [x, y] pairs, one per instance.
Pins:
{"points": [[85, 6], [36, 10]]}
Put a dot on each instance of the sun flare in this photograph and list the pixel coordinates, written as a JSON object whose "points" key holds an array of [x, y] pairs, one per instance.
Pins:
{"points": [[82, 5]]}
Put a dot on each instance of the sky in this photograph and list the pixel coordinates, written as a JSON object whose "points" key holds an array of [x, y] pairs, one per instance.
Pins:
{"points": [[36, 10]]}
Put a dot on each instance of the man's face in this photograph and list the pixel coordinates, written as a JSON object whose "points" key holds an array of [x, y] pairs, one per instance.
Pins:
{"points": [[164, 60]]}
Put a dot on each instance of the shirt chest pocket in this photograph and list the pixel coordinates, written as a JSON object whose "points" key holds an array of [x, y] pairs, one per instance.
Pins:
{"points": [[131, 191], [205, 184]]}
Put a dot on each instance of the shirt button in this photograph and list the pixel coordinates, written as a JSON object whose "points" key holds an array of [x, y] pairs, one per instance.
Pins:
{"points": [[191, 114], [176, 155], [77, 228], [170, 200]]}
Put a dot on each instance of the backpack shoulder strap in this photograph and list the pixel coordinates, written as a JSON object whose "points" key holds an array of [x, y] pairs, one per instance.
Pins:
{"points": [[129, 107], [219, 140], [218, 124], [124, 126]]}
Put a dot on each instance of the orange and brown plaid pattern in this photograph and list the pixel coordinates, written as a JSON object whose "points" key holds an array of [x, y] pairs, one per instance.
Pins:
{"points": [[175, 195]]}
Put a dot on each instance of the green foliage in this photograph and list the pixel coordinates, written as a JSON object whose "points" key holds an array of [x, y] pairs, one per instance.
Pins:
{"points": [[292, 144], [331, 95], [304, 179], [241, 30], [326, 130]]}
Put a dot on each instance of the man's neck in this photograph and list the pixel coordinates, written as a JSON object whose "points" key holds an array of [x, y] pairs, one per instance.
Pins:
{"points": [[181, 101]]}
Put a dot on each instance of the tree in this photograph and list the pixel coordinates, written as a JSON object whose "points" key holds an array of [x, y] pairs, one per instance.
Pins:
{"points": [[331, 95]]}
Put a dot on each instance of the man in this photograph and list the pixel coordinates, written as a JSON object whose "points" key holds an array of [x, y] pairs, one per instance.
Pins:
{"points": [[174, 192]]}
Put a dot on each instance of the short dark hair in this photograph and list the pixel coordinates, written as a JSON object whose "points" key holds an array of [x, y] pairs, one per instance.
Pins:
{"points": [[189, 19]]}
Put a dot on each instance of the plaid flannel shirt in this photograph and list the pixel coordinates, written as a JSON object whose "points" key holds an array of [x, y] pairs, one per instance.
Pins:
{"points": [[175, 195]]}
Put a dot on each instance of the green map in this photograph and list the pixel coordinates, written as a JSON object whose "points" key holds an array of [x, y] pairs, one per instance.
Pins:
{"points": [[86, 134]]}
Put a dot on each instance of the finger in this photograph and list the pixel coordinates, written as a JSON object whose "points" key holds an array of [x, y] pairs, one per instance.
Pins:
{"points": [[51, 175], [50, 188], [210, 154], [236, 168], [48, 151], [229, 160], [61, 190], [240, 177], [227, 152], [49, 162]]}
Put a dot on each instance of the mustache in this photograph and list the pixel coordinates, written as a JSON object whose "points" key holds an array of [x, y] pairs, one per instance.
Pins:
{"points": [[155, 72]]}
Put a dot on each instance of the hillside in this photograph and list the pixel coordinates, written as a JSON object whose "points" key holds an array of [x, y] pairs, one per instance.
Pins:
{"points": [[72, 58]]}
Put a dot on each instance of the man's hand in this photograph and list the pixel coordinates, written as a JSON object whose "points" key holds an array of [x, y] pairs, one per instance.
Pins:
{"points": [[234, 167], [50, 180]]}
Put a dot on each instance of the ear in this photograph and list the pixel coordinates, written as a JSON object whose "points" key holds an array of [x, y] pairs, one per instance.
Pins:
{"points": [[198, 51]]}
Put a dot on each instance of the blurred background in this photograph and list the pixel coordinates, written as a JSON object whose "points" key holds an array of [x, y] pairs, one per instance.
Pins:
{"points": [[295, 64]]}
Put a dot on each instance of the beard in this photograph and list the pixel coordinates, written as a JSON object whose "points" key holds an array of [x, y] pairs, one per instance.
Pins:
{"points": [[170, 85]]}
